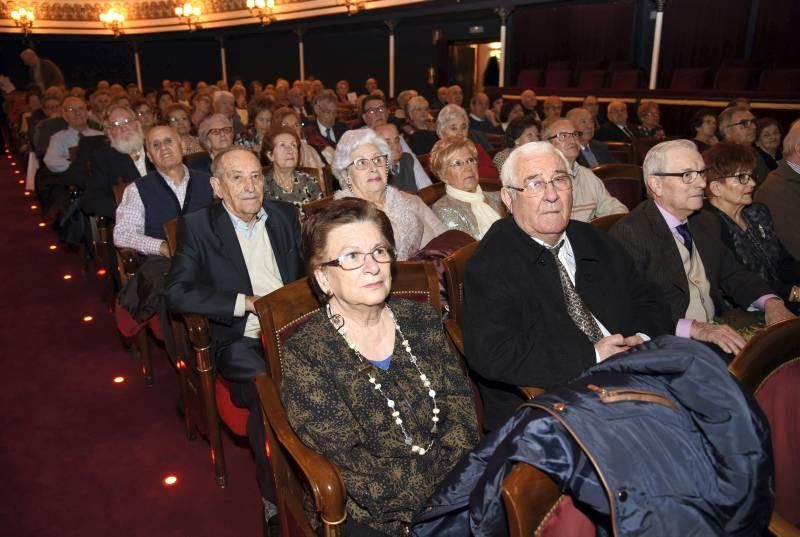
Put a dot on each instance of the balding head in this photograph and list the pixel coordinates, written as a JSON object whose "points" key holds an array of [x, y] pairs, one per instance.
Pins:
{"points": [[617, 112], [29, 57], [791, 143], [584, 122]]}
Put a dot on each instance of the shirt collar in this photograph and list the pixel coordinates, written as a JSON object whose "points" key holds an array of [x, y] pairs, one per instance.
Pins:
{"points": [[169, 180], [547, 246], [671, 220], [243, 227], [793, 165], [476, 118], [323, 128]]}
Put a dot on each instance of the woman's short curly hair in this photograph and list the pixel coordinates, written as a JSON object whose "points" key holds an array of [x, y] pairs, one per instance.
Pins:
{"points": [[443, 148], [724, 159]]}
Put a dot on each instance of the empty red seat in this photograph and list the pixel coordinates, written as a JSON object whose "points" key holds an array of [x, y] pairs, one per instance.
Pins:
{"points": [[734, 78], [625, 79], [556, 78], [689, 78], [529, 78], [591, 79], [780, 80]]}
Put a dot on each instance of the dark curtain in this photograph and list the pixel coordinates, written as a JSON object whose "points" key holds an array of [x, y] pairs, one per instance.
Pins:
{"points": [[180, 59], [579, 33], [352, 53], [263, 56], [776, 43]]}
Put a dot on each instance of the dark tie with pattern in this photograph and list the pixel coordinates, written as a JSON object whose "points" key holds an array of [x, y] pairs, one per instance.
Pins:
{"points": [[576, 307], [686, 235], [329, 135], [627, 131]]}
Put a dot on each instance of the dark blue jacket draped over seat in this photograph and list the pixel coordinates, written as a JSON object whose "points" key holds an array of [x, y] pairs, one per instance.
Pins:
{"points": [[660, 440]]}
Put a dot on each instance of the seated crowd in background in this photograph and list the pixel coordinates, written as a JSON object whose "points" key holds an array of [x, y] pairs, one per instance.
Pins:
{"points": [[237, 167]]}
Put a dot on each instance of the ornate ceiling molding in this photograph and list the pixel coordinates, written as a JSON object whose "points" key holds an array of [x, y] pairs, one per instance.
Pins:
{"points": [[76, 17]]}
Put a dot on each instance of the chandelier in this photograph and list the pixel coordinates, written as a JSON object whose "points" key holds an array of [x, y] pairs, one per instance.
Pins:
{"points": [[23, 18], [262, 9], [189, 14], [113, 20]]}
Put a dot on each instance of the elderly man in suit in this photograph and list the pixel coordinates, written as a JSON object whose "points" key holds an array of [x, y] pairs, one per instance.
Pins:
{"points": [[547, 297], [738, 126], [593, 152], [617, 128], [324, 132], [121, 162], [228, 256], [781, 192], [680, 248]]}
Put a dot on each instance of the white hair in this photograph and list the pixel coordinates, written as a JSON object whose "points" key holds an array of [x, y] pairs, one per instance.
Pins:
{"points": [[451, 112], [349, 142], [656, 159], [218, 95], [530, 150], [214, 121]]}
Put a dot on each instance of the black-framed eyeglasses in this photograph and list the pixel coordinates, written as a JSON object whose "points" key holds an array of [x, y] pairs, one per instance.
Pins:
{"points": [[564, 136], [745, 123], [363, 163], [221, 130], [743, 177], [535, 187], [355, 260], [688, 177]]}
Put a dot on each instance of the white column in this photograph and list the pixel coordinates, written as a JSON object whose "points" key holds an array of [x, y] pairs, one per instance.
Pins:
{"points": [[301, 54], [503, 13], [138, 64], [223, 61], [656, 44], [391, 24]]}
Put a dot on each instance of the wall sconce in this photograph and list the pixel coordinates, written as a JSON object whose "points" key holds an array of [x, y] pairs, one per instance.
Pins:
{"points": [[113, 20], [189, 14], [262, 9], [354, 6], [23, 18]]}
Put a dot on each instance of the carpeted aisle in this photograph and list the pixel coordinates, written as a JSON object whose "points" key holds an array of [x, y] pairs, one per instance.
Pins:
{"points": [[79, 454]]}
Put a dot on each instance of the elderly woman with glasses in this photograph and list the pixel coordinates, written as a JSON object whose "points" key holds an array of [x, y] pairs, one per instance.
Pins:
{"points": [[747, 228], [287, 117], [144, 114], [178, 117], [361, 164], [464, 206], [284, 181], [519, 132], [260, 113], [369, 380], [215, 134], [453, 121]]}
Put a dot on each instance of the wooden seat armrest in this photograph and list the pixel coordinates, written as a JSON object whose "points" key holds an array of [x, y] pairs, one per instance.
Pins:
{"points": [[780, 527], [321, 475], [529, 496], [456, 335], [529, 392], [197, 327]]}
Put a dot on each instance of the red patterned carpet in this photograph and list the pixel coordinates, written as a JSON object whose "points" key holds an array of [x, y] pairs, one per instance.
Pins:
{"points": [[79, 454]]}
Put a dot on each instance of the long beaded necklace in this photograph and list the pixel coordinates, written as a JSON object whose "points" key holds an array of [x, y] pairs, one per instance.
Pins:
{"points": [[338, 324]]}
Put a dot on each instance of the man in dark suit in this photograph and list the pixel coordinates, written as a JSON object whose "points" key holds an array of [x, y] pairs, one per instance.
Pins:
{"points": [[229, 255], [593, 153], [324, 132], [478, 120], [680, 249], [547, 297], [401, 164], [738, 126], [121, 162], [617, 128]]}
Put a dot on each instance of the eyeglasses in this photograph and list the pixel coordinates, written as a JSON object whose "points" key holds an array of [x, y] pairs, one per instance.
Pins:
{"points": [[743, 178], [458, 163], [222, 130], [745, 123], [144, 112], [364, 163], [564, 136], [536, 187], [72, 109], [356, 260], [687, 177], [120, 123], [373, 111]]}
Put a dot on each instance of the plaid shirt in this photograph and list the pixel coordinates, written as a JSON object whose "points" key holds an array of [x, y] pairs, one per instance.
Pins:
{"points": [[129, 229]]}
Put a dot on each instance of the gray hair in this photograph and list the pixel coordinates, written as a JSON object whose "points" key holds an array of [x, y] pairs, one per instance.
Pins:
{"points": [[220, 94], [325, 96], [725, 119], [419, 99], [349, 142], [527, 151], [217, 167], [451, 112], [791, 140], [206, 125], [656, 159], [547, 126]]}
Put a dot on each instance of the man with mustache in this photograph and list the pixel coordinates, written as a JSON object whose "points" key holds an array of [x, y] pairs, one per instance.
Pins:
{"points": [[229, 255], [121, 162], [680, 248], [590, 199]]}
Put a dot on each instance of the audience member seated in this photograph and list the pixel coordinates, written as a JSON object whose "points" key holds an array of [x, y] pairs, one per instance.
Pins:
{"points": [[679, 247], [297, 102], [201, 107], [121, 162], [747, 228], [464, 206], [617, 128], [228, 256], [74, 112], [375, 113], [98, 102], [215, 134], [704, 129], [495, 106], [287, 117], [177, 117], [145, 115], [224, 103], [547, 297], [441, 99], [590, 199], [401, 164], [479, 117], [452, 121], [370, 85], [649, 116], [345, 109], [455, 95], [509, 112], [260, 113], [528, 101], [419, 130], [552, 108], [519, 132], [323, 133], [593, 153], [361, 164], [47, 127], [591, 104], [283, 181], [781, 192], [399, 117], [370, 382], [738, 125], [768, 141]]}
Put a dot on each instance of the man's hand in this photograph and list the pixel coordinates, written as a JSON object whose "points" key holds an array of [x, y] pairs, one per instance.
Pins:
{"points": [[775, 311], [250, 303], [163, 249], [611, 345], [632, 341], [721, 335]]}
